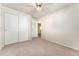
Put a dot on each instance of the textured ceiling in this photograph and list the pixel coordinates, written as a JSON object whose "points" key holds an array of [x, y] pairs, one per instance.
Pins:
{"points": [[30, 8]]}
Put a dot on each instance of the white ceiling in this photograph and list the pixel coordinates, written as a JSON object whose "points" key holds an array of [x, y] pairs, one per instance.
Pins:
{"points": [[29, 8]]}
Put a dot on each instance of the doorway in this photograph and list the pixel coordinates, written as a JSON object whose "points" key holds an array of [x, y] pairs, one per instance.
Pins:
{"points": [[39, 29]]}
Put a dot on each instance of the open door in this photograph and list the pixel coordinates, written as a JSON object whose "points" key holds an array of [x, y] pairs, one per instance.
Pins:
{"points": [[39, 29]]}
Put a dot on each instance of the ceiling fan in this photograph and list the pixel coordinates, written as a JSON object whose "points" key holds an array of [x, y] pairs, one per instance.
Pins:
{"points": [[39, 6]]}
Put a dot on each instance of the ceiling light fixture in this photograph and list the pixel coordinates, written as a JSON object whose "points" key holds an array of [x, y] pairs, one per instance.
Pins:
{"points": [[39, 6]]}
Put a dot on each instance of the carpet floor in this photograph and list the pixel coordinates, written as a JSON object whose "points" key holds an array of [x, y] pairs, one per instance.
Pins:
{"points": [[37, 47]]}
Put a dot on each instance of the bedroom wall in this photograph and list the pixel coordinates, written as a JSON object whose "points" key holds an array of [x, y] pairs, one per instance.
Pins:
{"points": [[62, 27], [0, 28]]}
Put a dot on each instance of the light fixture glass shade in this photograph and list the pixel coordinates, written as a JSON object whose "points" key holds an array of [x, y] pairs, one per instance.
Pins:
{"points": [[39, 8]]}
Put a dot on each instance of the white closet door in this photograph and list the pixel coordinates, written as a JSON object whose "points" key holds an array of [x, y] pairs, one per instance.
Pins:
{"points": [[23, 28], [11, 28]]}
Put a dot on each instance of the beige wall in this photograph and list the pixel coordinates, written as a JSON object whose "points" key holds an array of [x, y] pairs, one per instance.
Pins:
{"points": [[1, 28], [62, 27]]}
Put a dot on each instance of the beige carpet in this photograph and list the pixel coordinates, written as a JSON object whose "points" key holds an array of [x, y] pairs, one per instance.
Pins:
{"points": [[37, 47]]}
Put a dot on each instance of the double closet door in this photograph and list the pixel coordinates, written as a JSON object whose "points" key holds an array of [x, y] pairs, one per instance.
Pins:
{"points": [[16, 28], [11, 28]]}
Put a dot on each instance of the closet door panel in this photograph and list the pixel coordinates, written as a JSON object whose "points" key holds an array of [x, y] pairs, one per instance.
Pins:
{"points": [[23, 28], [11, 28]]}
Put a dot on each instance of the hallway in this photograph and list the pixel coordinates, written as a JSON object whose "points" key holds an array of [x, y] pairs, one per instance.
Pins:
{"points": [[37, 47]]}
